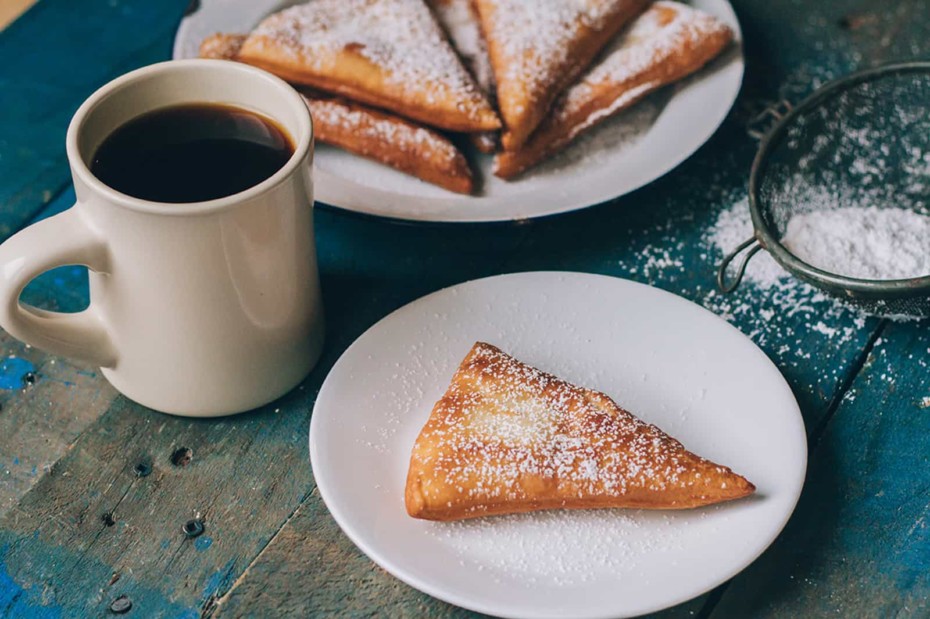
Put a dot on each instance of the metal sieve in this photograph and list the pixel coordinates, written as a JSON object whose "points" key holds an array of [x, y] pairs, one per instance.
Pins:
{"points": [[862, 140]]}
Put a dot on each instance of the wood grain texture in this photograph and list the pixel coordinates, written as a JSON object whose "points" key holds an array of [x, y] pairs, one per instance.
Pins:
{"points": [[249, 473], [40, 419], [859, 543], [336, 578], [270, 545]]}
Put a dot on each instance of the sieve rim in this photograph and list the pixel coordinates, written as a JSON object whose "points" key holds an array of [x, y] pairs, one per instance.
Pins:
{"points": [[849, 286]]}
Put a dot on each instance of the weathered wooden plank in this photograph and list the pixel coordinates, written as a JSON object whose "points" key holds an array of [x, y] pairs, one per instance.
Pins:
{"points": [[54, 56], [46, 401], [335, 578], [248, 475], [859, 544]]}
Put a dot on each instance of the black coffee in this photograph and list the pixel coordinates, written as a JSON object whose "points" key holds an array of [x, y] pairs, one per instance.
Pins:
{"points": [[191, 153]]}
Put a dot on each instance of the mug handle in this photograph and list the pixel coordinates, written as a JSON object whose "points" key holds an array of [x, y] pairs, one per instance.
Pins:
{"points": [[61, 240]]}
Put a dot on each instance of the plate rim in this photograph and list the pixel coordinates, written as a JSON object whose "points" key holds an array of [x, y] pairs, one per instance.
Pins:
{"points": [[569, 206], [451, 597]]}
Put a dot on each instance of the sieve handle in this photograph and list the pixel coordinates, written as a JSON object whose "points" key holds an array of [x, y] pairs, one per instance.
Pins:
{"points": [[729, 286], [762, 123]]}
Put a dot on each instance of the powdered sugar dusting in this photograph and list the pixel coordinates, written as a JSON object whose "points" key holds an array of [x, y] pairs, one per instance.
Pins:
{"points": [[663, 30], [459, 19], [733, 226], [788, 295], [399, 36], [534, 37], [862, 242], [504, 426], [560, 548], [392, 134]]}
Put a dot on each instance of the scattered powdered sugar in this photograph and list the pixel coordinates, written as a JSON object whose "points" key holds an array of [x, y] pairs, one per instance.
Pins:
{"points": [[561, 548], [862, 242], [401, 36], [773, 299]]}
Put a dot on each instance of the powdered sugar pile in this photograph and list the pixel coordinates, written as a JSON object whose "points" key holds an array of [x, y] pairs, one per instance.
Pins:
{"points": [[782, 296], [862, 242]]}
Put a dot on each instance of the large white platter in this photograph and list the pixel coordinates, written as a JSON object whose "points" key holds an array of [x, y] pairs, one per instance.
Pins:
{"points": [[622, 155]]}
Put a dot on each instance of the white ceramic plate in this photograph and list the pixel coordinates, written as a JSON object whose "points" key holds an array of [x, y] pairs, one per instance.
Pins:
{"points": [[666, 359], [622, 155]]}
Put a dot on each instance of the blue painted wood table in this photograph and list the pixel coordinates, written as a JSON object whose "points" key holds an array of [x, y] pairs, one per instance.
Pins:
{"points": [[94, 489]]}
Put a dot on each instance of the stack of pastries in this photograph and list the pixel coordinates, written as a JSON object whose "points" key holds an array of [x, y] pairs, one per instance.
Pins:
{"points": [[416, 85]]}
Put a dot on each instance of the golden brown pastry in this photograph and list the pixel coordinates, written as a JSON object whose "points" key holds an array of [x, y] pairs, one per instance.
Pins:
{"points": [[222, 46], [665, 44], [393, 141], [390, 54], [539, 47], [377, 135], [508, 438], [487, 142]]}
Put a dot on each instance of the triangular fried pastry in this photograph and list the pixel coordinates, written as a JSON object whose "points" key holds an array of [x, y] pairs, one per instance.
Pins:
{"points": [[665, 44], [508, 438], [393, 141], [399, 143], [539, 47], [390, 54]]}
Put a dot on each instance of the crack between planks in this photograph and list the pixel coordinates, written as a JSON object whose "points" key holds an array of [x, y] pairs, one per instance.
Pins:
{"points": [[202, 513], [96, 537], [212, 604], [813, 441], [817, 433]]}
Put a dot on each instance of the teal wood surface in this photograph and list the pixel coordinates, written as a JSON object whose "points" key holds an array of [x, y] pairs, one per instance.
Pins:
{"points": [[69, 445]]}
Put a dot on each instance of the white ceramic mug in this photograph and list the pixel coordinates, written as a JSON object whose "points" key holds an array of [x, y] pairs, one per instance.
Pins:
{"points": [[200, 309]]}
